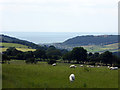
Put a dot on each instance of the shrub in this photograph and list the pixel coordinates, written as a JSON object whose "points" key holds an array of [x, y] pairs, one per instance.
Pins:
{"points": [[51, 61], [31, 60]]}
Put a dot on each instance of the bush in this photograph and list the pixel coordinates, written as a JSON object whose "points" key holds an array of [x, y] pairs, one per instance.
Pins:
{"points": [[51, 61], [91, 63], [31, 60]]}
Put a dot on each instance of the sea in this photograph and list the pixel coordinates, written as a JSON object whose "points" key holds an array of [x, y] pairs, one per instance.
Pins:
{"points": [[51, 37]]}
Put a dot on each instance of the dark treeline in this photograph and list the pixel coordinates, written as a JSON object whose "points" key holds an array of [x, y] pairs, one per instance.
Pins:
{"points": [[50, 54], [78, 55]]}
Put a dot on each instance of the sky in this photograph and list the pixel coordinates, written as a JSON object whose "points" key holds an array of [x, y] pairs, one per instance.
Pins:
{"points": [[59, 15]]}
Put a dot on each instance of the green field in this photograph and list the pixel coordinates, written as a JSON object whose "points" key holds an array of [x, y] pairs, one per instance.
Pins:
{"points": [[7, 45], [20, 47], [102, 48], [93, 48], [21, 75], [89, 48]]}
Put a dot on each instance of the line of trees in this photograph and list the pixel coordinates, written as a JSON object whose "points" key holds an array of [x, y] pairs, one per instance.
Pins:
{"points": [[77, 55], [80, 55]]}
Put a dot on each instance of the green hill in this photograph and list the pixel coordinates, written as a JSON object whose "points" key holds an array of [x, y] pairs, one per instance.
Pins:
{"points": [[92, 40], [91, 43], [22, 45], [7, 45], [8, 39], [92, 48], [24, 48]]}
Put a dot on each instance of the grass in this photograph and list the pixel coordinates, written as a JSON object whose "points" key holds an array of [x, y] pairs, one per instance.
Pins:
{"points": [[7, 45], [102, 48], [96, 48], [20, 47], [21, 75], [89, 48], [25, 49]]}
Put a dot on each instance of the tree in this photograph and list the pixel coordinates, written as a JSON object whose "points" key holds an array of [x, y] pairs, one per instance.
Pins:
{"points": [[40, 54], [79, 54], [51, 61], [90, 54], [96, 57], [90, 57], [107, 57], [20, 56], [67, 56], [31, 60], [5, 58], [51, 48], [12, 51], [28, 55], [53, 54]]}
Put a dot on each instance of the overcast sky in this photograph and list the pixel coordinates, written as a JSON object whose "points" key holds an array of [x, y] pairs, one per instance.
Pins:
{"points": [[59, 15]]}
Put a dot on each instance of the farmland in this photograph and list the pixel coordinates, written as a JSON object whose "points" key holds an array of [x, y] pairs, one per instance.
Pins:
{"points": [[89, 48], [92, 48], [18, 74], [102, 48], [20, 47]]}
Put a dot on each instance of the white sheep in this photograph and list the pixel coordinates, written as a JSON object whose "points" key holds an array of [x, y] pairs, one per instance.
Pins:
{"points": [[73, 66], [54, 64], [81, 65], [88, 66], [98, 66], [91, 66], [113, 68], [72, 77]]}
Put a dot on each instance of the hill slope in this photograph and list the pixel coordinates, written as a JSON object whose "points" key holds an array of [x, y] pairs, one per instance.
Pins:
{"points": [[92, 40], [8, 39], [92, 43], [24, 48]]}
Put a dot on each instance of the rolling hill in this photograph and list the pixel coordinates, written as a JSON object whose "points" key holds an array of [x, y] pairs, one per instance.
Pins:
{"points": [[8, 39], [22, 45], [24, 48], [92, 40], [92, 43]]}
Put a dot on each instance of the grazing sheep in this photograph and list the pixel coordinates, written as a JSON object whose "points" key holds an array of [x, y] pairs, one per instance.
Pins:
{"points": [[108, 66], [91, 66], [72, 77], [88, 66], [81, 65], [73, 66], [113, 68], [54, 64], [98, 66]]}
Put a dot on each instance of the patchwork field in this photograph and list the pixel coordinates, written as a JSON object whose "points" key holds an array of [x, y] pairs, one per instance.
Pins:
{"points": [[20, 47], [92, 48], [89, 48], [21, 75], [102, 48]]}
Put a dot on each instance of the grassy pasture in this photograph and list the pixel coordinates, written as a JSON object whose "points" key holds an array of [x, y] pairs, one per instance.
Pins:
{"points": [[89, 48], [21, 75], [20, 47], [100, 48], [7, 45]]}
